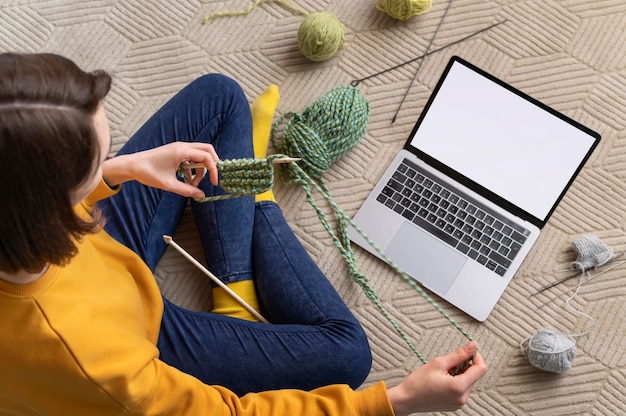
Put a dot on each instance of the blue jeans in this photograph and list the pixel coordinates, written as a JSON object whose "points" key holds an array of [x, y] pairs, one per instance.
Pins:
{"points": [[314, 339]]}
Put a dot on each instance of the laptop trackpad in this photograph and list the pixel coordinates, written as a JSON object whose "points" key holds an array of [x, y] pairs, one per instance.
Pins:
{"points": [[429, 261]]}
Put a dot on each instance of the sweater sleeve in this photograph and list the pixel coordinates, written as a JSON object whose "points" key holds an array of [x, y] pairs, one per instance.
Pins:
{"points": [[177, 393], [101, 192]]}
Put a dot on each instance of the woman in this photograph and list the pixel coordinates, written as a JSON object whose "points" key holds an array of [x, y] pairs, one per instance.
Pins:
{"points": [[86, 330]]}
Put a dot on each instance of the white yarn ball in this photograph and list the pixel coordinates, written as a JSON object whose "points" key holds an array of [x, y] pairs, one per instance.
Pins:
{"points": [[550, 351]]}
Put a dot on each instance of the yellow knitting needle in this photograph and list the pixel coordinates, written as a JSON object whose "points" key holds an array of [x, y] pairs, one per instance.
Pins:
{"points": [[193, 165], [221, 284]]}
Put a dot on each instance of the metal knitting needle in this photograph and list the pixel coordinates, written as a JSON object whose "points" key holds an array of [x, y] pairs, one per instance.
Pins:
{"points": [[571, 276], [432, 39], [356, 82], [558, 282], [217, 281], [276, 161]]}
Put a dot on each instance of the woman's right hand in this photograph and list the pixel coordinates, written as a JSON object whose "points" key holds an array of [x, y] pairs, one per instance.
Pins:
{"points": [[433, 388], [157, 167]]}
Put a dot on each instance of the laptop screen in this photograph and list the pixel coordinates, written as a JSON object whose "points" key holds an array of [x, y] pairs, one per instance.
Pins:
{"points": [[501, 141]]}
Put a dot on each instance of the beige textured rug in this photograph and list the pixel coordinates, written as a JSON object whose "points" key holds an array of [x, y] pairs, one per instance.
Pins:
{"points": [[570, 54]]}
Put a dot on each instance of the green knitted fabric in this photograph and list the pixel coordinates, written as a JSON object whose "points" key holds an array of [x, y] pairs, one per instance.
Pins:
{"points": [[241, 177]]}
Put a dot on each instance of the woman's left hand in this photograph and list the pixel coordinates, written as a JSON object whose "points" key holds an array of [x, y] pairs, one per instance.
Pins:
{"points": [[157, 167]]}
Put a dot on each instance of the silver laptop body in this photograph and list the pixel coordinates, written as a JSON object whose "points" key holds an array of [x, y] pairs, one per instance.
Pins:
{"points": [[460, 207]]}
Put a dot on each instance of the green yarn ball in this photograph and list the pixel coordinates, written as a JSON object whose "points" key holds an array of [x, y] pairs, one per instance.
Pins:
{"points": [[404, 9], [324, 132], [320, 36]]}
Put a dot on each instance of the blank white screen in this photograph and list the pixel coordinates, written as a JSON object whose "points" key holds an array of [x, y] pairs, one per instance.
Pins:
{"points": [[501, 141]]}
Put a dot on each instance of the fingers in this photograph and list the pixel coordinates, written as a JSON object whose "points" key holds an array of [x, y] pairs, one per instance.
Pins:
{"points": [[460, 355], [478, 368], [478, 360], [204, 153], [466, 362], [185, 189], [470, 365], [432, 388]]}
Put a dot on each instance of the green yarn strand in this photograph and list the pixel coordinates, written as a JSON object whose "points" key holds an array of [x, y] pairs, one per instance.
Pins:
{"points": [[324, 133], [342, 242], [411, 282], [320, 36], [285, 3]]}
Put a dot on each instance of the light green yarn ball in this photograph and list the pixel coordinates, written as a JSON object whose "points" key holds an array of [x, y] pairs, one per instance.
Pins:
{"points": [[320, 36], [404, 9]]}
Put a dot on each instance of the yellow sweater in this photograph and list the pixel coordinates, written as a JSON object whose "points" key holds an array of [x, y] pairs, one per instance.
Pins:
{"points": [[81, 340]]}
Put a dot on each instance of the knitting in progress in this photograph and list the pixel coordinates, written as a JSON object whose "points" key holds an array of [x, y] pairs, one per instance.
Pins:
{"points": [[241, 177], [591, 253]]}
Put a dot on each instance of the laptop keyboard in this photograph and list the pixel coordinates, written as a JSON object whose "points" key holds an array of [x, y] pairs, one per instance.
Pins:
{"points": [[453, 217]]}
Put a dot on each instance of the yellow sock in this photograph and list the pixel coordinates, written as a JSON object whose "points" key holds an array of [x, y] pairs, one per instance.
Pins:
{"points": [[263, 109], [224, 304]]}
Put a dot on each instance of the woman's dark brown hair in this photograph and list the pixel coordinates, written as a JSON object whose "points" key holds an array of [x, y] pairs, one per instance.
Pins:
{"points": [[48, 147]]}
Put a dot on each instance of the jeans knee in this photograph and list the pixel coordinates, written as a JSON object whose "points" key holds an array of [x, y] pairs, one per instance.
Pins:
{"points": [[219, 85], [354, 362], [215, 80], [363, 364]]}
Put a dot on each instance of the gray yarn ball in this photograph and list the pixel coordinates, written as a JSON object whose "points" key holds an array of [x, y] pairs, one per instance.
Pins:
{"points": [[550, 351]]}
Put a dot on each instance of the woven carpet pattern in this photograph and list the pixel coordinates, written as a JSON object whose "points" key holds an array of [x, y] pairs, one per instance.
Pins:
{"points": [[570, 54]]}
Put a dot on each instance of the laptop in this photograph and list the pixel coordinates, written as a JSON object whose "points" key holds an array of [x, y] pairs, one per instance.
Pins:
{"points": [[463, 202]]}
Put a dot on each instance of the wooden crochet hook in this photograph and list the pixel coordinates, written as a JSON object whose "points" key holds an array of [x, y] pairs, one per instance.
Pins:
{"points": [[217, 281], [193, 165]]}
